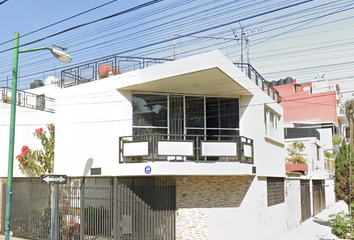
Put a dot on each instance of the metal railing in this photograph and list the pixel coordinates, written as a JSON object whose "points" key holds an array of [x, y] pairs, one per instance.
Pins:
{"points": [[28, 100], [106, 67], [259, 80], [96, 208], [195, 140], [330, 166]]}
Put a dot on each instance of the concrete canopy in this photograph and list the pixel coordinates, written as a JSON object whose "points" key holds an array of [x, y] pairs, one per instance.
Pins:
{"points": [[211, 81]]}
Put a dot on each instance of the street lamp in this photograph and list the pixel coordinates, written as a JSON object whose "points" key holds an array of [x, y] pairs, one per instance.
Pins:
{"points": [[64, 57]]}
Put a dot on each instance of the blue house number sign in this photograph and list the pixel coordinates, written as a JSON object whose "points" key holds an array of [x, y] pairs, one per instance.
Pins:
{"points": [[147, 169]]}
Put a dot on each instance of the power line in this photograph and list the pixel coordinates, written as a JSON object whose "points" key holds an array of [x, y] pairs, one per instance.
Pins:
{"points": [[4, 1], [65, 19], [91, 22]]}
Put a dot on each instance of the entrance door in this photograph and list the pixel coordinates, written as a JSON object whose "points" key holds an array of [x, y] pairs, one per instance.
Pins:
{"points": [[319, 197], [146, 208], [305, 200]]}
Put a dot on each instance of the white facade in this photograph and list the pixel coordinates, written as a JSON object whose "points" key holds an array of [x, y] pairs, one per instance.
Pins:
{"points": [[90, 118], [314, 153], [98, 113]]}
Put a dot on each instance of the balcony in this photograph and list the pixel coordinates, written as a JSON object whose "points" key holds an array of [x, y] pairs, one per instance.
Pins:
{"points": [[259, 80], [185, 148], [104, 68], [301, 133], [28, 100]]}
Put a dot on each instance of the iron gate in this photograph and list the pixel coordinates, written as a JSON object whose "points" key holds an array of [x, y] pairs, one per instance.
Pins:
{"points": [[146, 209], [96, 208], [305, 200], [319, 197]]}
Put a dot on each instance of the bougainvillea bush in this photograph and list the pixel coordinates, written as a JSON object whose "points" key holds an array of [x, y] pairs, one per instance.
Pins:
{"points": [[40, 161]]}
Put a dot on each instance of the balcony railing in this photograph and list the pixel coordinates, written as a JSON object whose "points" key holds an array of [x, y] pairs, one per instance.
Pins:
{"points": [[28, 100], [330, 166], [103, 68], [259, 80], [186, 148]]}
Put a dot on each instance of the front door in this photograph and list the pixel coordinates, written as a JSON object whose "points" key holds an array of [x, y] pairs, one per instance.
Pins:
{"points": [[305, 200]]}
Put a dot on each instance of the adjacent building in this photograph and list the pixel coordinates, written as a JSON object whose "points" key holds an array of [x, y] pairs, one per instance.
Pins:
{"points": [[312, 116]]}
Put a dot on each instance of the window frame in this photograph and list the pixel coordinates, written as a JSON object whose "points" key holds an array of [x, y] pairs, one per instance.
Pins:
{"points": [[271, 122], [275, 193], [185, 128]]}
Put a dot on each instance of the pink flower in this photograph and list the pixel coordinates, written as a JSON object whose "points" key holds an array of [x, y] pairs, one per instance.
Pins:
{"points": [[24, 150], [39, 130], [25, 164], [20, 156]]}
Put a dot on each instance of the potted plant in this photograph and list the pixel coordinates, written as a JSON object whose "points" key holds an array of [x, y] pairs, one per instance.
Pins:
{"points": [[296, 162]]}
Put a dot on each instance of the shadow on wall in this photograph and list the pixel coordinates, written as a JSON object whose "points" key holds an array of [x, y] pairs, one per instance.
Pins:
{"points": [[211, 191]]}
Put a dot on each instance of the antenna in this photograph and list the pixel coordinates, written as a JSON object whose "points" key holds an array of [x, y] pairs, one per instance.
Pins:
{"points": [[242, 36]]}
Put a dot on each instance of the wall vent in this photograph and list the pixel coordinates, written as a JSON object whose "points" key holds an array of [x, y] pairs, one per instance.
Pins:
{"points": [[95, 171]]}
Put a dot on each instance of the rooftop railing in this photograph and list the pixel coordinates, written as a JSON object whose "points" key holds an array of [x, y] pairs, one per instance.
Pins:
{"points": [[115, 65], [103, 68], [259, 80], [28, 100]]}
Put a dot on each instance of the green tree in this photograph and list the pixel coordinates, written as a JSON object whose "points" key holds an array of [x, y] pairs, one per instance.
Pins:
{"points": [[344, 179]]}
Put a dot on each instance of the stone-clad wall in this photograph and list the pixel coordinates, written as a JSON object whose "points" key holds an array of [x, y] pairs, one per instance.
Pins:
{"points": [[195, 195], [2, 203]]}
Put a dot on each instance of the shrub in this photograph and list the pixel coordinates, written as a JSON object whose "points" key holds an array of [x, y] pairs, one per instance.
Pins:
{"points": [[336, 139], [342, 225]]}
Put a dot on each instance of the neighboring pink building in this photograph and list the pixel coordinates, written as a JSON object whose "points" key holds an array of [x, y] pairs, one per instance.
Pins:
{"points": [[301, 105]]}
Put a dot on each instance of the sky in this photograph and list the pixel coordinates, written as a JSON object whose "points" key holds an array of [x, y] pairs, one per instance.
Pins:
{"points": [[306, 42]]}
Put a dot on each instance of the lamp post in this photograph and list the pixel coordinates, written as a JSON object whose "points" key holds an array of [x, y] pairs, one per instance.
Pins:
{"points": [[64, 57]]}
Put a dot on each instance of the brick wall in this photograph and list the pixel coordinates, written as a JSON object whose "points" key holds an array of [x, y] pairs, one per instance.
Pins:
{"points": [[195, 195]]}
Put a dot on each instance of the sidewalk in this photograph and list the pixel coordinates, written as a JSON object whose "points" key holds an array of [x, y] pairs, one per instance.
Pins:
{"points": [[318, 227], [2, 237]]}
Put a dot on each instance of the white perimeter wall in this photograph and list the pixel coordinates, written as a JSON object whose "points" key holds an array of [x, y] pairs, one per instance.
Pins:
{"points": [[27, 120], [330, 194]]}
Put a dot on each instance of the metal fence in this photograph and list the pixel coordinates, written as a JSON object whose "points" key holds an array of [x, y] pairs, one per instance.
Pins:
{"points": [[96, 208], [103, 68], [28, 100]]}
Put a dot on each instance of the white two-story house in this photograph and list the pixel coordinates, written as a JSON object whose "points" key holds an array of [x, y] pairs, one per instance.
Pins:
{"points": [[195, 146]]}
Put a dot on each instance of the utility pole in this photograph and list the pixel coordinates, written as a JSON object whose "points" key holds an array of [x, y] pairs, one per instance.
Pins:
{"points": [[242, 35], [350, 112], [248, 50]]}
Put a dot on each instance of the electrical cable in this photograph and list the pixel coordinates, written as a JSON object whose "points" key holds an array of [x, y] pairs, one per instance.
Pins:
{"points": [[94, 21], [53, 24]]}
